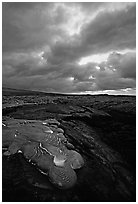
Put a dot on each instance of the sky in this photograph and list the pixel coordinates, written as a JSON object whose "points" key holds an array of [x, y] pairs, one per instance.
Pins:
{"points": [[85, 48]]}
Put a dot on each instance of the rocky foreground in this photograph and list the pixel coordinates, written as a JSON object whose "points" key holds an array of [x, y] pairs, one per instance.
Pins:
{"points": [[87, 154], [44, 145]]}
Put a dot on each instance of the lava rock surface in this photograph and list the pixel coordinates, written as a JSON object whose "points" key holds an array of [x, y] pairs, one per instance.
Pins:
{"points": [[101, 129], [43, 144]]}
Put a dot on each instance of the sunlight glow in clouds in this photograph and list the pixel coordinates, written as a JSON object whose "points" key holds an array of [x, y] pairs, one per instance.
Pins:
{"points": [[71, 78], [94, 58], [98, 58], [126, 91]]}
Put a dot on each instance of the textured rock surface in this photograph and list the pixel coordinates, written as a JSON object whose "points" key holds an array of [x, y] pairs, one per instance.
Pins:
{"points": [[45, 147], [101, 128], [63, 177]]}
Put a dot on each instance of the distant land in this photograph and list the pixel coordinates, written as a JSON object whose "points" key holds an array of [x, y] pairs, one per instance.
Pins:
{"points": [[6, 91], [21, 92]]}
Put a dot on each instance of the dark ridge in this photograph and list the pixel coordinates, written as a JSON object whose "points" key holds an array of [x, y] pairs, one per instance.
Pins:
{"points": [[21, 92]]}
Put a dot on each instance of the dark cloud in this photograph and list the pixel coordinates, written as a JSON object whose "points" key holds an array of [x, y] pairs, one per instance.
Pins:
{"points": [[125, 64], [111, 82], [111, 31], [31, 27], [108, 31], [119, 71], [42, 47], [116, 73]]}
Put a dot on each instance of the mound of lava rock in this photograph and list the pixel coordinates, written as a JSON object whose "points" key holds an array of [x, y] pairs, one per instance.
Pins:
{"points": [[44, 145]]}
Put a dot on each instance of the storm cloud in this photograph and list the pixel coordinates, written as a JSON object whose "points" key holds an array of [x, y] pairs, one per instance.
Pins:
{"points": [[44, 45]]}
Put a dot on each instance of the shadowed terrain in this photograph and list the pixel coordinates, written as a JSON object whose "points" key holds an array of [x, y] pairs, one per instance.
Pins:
{"points": [[102, 129]]}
